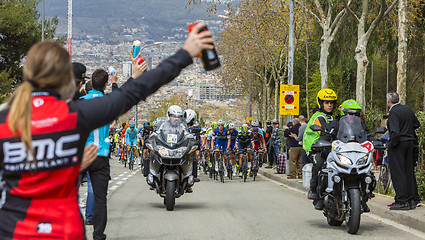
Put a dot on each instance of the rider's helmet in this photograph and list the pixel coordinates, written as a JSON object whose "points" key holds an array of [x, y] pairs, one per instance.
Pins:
{"points": [[326, 94], [255, 129], [214, 125], [175, 111], [247, 123], [350, 106], [231, 126], [190, 116], [146, 124], [196, 124], [155, 123], [255, 124], [131, 125], [220, 123], [244, 128], [268, 122]]}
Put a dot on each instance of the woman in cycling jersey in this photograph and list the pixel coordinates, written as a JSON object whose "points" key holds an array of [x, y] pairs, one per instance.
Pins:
{"points": [[42, 137]]}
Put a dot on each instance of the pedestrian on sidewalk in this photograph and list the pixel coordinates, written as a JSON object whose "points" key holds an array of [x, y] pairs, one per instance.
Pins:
{"points": [[295, 149], [275, 138], [402, 123], [299, 138], [269, 144]]}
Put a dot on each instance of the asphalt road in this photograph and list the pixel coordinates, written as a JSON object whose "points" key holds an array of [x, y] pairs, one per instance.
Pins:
{"points": [[263, 209]]}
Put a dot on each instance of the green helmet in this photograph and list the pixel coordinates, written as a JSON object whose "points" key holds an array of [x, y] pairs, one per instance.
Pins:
{"points": [[350, 106], [214, 125]]}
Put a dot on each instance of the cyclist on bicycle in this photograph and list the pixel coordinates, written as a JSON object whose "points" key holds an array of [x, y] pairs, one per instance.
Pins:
{"points": [[209, 135], [232, 134], [257, 125], [130, 137], [243, 141], [219, 142], [258, 143]]}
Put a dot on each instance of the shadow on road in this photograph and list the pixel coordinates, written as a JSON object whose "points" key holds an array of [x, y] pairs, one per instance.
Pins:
{"points": [[181, 206], [363, 230]]}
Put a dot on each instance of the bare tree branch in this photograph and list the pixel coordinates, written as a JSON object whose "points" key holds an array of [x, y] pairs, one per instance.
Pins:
{"points": [[320, 9], [318, 20], [350, 11], [382, 13], [336, 27]]}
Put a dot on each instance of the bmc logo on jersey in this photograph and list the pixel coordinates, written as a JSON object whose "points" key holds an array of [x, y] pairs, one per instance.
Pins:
{"points": [[43, 149]]}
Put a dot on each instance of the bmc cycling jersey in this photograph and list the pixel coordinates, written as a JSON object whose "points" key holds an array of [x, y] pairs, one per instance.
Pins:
{"points": [[39, 198]]}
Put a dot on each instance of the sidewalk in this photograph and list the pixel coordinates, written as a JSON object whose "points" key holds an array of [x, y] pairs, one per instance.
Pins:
{"points": [[378, 205]]}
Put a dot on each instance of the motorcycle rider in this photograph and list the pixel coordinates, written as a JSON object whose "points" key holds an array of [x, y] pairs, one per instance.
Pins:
{"points": [[326, 101], [191, 116], [348, 108]]}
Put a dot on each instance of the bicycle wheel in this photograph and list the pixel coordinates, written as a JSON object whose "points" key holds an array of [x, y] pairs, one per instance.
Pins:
{"points": [[131, 160], [244, 170], [386, 178]]}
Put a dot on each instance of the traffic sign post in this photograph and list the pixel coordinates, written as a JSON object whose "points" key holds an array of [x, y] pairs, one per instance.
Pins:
{"points": [[289, 99]]}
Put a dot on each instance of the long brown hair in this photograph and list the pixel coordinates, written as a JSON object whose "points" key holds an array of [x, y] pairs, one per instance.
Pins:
{"points": [[47, 66]]}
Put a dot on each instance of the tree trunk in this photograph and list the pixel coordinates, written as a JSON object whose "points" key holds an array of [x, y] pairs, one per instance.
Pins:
{"points": [[402, 51], [362, 63], [324, 53], [268, 94]]}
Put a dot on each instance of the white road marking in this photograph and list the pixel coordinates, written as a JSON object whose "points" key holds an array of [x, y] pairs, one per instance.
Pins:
{"points": [[125, 179], [399, 226], [115, 178], [113, 188], [119, 182], [122, 174]]}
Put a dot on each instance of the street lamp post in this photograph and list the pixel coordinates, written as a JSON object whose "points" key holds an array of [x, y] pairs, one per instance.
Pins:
{"points": [[150, 45]]}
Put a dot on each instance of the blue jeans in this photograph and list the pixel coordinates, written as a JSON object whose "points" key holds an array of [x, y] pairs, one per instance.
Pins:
{"points": [[90, 200], [276, 150]]}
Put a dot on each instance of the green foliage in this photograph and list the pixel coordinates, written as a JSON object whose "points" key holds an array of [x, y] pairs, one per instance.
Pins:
{"points": [[5, 84], [420, 179], [373, 119], [420, 132], [20, 28]]}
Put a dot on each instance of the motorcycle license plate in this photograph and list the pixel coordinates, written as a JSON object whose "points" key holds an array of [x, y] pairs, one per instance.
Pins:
{"points": [[172, 138]]}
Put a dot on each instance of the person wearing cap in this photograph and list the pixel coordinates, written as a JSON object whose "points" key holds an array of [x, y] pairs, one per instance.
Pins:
{"points": [[80, 78]]}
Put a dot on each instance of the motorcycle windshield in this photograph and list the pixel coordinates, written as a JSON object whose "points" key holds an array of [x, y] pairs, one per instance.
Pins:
{"points": [[351, 130], [172, 131]]}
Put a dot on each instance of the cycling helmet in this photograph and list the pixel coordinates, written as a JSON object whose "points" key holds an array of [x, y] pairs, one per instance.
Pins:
{"points": [[155, 123], [350, 107], [146, 124], [244, 128], [255, 130], [231, 126], [275, 121], [325, 94], [175, 110], [255, 124], [214, 125], [247, 123], [268, 122], [195, 124], [131, 125], [190, 116], [220, 123]]}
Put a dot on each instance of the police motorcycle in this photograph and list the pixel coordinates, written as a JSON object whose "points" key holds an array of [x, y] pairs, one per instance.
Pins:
{"points": [[170, 168], [347, 181]]}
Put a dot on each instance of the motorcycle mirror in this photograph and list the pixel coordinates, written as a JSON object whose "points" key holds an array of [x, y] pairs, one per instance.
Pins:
{"points": [[193, 148], [320, 143], [381, 130], [316, 128]]}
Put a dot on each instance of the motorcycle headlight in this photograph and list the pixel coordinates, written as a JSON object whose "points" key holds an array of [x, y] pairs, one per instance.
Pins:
{"points": [[344, 160], [363, 160], [171, 153]]}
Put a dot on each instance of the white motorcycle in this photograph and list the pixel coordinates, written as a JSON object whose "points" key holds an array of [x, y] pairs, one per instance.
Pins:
{"points": [[347, 181]]}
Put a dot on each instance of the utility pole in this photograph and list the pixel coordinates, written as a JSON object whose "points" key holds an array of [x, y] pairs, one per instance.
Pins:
{"points": [[291, 48], [70, 28], [42, 21]]}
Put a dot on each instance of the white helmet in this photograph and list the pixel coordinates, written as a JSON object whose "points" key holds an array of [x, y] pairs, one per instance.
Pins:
{"points": [[220, 122], [231, 126], [175, 110], [190, 116]]}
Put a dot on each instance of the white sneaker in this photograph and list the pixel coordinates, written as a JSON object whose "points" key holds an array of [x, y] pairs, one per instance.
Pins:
{"points": [[234, 174], [225, 173], [216, 166]]}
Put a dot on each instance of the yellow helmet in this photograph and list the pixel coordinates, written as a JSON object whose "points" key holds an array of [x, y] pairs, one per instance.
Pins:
{"points": [[325, 94]]}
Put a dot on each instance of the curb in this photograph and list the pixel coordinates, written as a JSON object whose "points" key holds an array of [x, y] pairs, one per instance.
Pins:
{"points": [[412, 218]]}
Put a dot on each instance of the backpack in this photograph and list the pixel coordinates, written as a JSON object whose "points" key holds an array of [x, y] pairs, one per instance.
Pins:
{"points": [[280, 164]]}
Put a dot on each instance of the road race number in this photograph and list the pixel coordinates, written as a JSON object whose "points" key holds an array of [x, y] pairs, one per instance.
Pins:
{"points": [[172, 138]]}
